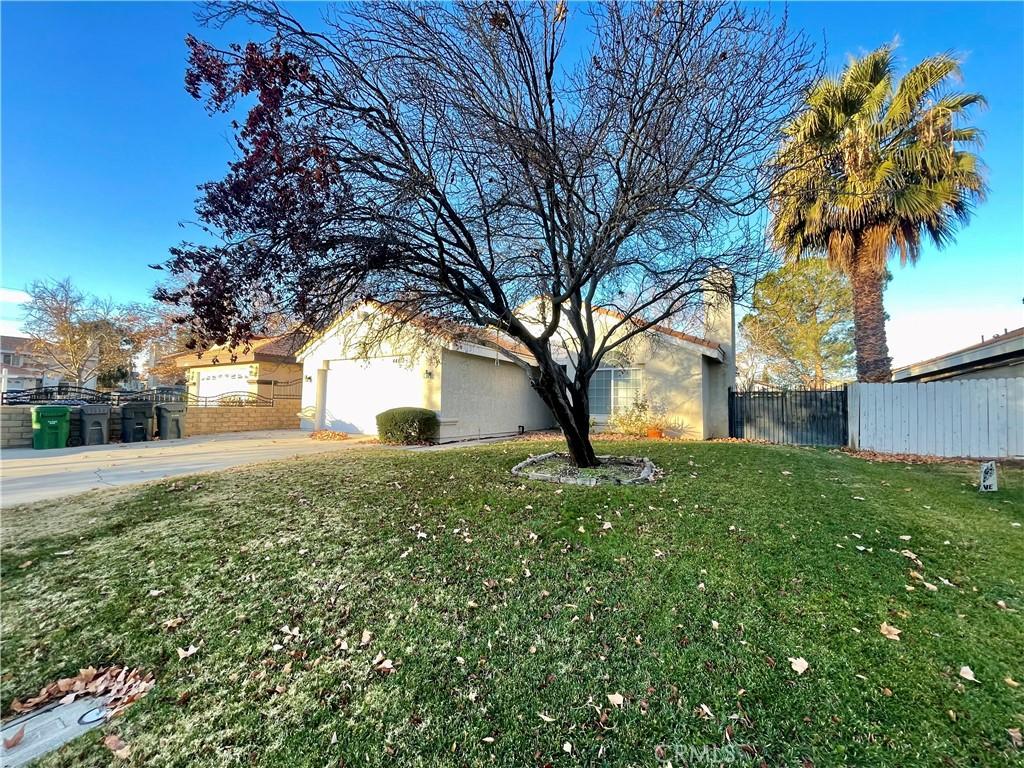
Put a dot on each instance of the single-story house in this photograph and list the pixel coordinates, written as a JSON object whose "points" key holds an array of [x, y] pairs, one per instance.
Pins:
{"points": [[477, 391], [1001, 357], [266, 364]]}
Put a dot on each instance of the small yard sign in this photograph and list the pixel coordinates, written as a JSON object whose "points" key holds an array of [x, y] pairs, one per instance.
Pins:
{"points": [[988, 477]]}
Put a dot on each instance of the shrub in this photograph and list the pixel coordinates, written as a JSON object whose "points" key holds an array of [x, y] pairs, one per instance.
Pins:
{"points": [[407, 426], [636, 419]]}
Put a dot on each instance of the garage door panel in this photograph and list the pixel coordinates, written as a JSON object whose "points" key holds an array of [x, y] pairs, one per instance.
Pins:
{"points": [[357, 390]]}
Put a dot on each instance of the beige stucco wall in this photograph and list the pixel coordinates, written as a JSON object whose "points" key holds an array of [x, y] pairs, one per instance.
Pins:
{"points": [[482, 397]]}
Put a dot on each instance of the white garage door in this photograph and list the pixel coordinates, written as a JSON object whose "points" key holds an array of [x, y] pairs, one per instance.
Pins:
{"points": [[220, 381], [357, 390]]}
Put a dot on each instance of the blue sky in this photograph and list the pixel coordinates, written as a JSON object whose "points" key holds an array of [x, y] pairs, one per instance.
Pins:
{"points": [[102, 150]]}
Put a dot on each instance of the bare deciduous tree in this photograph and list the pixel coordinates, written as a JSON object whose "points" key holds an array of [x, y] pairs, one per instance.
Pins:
{"points": [[81, 336], [452, 161]]}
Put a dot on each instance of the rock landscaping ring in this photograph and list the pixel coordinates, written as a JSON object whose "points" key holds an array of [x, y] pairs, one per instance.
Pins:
{"points": [[555, 467]]}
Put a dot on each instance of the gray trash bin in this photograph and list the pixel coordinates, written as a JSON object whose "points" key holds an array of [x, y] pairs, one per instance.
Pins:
{"points": [[170, 421], [95, 424], [136, 422]]}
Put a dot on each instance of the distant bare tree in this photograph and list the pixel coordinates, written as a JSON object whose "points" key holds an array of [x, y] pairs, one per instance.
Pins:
{"points": [[451, 161], [79, 335]]}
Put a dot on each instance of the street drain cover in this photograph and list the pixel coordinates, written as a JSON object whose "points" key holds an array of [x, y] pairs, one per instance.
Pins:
{"points": [[48, 728]]}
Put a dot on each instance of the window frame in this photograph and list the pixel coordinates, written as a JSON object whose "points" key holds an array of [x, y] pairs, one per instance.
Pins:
{"points": [[614, 406]]}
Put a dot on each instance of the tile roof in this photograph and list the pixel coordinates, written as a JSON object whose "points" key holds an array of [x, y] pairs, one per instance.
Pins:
{"points": [[664, 329], [280, 349]]}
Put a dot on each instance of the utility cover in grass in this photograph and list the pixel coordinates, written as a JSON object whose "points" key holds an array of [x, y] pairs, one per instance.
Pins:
{"points": [[555, 467]]}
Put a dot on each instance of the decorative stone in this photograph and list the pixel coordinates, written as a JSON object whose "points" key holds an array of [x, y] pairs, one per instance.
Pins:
{"points": [[528, 470]]}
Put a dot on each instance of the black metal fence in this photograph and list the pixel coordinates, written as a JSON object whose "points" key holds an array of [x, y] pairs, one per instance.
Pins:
{"points": [[793, 417], [68, 393], [288, 390]]}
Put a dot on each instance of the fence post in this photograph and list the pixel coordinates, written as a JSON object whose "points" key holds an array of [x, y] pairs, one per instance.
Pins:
{"points": [[852, 392]]}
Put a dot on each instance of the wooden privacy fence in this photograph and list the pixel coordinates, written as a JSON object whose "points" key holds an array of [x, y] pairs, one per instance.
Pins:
{"points": [[978, 418]]}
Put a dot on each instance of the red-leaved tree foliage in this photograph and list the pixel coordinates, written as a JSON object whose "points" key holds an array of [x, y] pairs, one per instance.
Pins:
{"points": [[452, 161]]}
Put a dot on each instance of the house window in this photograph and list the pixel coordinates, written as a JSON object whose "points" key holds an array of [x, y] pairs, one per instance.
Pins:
{"points": [[613, 390], [12, 359]]}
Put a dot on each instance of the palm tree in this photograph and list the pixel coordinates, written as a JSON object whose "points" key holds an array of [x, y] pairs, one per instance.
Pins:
{"points": [[869, 168]]}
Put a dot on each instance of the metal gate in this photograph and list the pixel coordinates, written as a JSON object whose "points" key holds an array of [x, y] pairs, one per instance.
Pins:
{"points": [[793, 417]]}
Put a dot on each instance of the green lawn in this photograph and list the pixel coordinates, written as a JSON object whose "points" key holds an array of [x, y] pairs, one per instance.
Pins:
{"points": [[511, 609]]}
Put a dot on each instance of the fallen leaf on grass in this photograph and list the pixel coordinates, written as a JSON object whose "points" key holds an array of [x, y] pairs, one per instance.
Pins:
{"points": [[1015, 737], [968, 674], [615, 699], [366, 638], [184, 653], [116, 744], [798, 664], [154, 593], [15, 740], [545, 718], [911, 557], [1011, 682], [890, 631], [703, 712], [174, 623], [25, 565], [567, 748]]}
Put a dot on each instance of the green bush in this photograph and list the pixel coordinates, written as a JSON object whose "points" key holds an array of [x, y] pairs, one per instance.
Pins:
{"points": [[407, 426]]}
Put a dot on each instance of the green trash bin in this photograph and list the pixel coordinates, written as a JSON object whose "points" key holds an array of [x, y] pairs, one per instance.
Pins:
{"points": [[51, 426]]}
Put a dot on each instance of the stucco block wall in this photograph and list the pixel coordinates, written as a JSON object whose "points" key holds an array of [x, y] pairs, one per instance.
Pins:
{"points": [[481, 397], [284, 414], [15, 426]]}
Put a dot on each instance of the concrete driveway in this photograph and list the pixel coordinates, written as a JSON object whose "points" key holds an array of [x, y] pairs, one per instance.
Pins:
{"points": [[27, 475]]}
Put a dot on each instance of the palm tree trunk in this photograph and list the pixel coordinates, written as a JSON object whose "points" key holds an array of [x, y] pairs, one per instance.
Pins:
{"points": [[868, 283]]}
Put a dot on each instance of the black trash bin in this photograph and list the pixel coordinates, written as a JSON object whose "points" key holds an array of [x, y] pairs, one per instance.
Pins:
{"points": [[136, 422], [95, 424], [170, 421]]}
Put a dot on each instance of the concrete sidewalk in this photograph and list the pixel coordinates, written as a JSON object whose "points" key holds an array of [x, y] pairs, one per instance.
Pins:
{"points": [[27, 475]]}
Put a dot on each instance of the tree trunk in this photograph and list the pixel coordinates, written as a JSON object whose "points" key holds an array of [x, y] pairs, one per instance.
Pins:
{"points": [[572, 417], [868, 283]]}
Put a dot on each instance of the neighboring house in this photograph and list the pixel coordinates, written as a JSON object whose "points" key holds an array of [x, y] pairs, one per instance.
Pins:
{"points": [[22, 368], [477, 391], [265, 364], [1001, 357]]}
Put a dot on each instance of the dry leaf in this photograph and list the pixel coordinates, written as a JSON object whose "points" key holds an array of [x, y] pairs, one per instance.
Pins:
{"points": [[184, 653], [567, 748], [366, 638], [15, 740], [545, 718], [116, 744], [798, 664], [703, 712], [968, 674], [615, 699], [155, 592], [890, 631], [1011, 682], [1015, 737], [174, 623]]}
